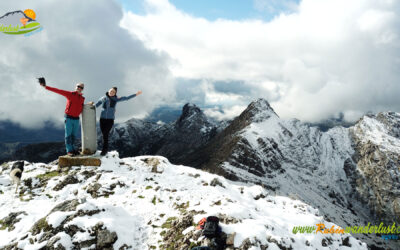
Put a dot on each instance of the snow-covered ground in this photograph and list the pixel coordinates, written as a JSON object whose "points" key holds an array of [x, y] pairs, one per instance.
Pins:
{"points": [[136, 199], [373, 130]]}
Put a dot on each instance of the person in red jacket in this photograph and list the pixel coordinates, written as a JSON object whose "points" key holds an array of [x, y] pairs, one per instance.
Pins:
{"points": [[73, 109]]}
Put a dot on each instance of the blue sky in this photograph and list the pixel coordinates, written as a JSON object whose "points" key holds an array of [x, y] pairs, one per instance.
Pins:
{"points": [[225, 9]]}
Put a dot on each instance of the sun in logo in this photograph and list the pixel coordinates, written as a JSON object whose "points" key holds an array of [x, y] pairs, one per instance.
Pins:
{"points": [[30, 13]]}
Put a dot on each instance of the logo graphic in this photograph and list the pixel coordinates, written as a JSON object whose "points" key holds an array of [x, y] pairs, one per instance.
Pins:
{"points": [[19, 22]]}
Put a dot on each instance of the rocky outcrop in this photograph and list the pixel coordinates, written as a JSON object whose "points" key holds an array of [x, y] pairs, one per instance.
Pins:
{"points": [[103, 238], [174, 141], [191, 131], [9, 221], [377, 145], [43, 231], [70, 179]]}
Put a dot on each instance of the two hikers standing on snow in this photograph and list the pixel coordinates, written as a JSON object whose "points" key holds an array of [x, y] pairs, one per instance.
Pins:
{"points": [[74, 107]]}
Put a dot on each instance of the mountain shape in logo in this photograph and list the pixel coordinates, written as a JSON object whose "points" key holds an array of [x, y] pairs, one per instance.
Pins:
{"points": [[19, 22], [14, 18]]}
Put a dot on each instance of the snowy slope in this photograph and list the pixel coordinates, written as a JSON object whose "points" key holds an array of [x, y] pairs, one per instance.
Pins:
{"points": [[382, 130], [351, 175], [136, 198]]}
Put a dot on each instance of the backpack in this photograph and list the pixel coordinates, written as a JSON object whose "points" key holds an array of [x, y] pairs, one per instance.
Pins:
{"points": [[211, 228], [201, 223]]}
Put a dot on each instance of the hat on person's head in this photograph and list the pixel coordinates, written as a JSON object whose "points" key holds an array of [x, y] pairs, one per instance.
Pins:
{"points": [[115, 88]]}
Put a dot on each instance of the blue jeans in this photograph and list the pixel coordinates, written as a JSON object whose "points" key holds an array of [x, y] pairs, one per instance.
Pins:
{"points": [[71, 133]]}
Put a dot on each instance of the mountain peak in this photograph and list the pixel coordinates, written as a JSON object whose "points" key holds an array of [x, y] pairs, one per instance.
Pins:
{"points": [[383, 129], [259, 110], [190, 108], [261, 103], [189, 111]]}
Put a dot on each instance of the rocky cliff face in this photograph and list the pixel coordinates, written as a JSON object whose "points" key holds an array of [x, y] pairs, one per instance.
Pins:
{"points": [[377, 145]]}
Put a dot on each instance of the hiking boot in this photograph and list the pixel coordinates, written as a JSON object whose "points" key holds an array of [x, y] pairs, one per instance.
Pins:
{"points": [[76, 152], [103, 153]]}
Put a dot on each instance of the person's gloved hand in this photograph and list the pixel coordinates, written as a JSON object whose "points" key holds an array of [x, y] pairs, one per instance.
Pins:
{"points": [[42, 81]]}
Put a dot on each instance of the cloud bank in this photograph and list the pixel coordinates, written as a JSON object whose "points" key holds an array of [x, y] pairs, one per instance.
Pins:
{"points": [[327, 57], [80, 42]]}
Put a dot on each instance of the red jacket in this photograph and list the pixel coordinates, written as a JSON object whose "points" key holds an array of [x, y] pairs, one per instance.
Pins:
{"points": [[74, 101]]}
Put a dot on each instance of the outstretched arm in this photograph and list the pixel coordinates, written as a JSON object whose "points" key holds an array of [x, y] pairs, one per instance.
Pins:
{"points": [[59, 91], [125, 98], [42, 83]]}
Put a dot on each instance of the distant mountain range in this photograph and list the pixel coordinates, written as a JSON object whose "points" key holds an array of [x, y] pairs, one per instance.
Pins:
{"points": [[13, 133], [17, 142]]}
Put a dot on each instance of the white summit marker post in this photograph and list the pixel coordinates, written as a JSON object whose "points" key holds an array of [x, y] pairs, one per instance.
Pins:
{"points": [[89, 142], [88, 129]]}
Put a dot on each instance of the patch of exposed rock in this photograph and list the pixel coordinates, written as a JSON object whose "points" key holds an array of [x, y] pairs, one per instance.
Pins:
{"points": [[378, 169], [100, 236], [9, 221]]}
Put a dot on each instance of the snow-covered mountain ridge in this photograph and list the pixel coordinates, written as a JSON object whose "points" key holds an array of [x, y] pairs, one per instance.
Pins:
{"points": [[350, 174], [146, 203]]}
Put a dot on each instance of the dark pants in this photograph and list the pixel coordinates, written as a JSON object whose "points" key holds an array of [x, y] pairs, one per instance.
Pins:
{"points": [[105, 126]]}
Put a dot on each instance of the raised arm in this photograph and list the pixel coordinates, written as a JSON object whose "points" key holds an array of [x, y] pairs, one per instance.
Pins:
{"points": [[42, 83], [59, 91], [126, 98]]}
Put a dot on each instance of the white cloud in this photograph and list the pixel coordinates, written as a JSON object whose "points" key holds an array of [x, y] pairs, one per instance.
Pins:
{"points": [[329, 56], [213, 97], [273, 6], [225, 113], [378, 24], [80, 42]]}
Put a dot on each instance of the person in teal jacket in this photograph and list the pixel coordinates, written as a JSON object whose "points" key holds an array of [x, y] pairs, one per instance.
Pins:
{"points": [[108, 106]]}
